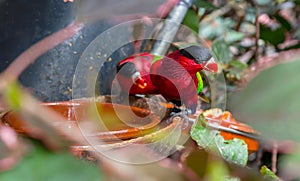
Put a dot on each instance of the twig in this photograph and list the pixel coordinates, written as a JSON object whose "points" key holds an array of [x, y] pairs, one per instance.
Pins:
{"points": [[239, 23], [269, 61], [259, 156], [274, 157], [12, 148], [256, 36], [206, 12]]}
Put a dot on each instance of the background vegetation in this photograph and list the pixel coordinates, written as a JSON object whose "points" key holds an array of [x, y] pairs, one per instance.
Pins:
{"points": [[257, 42]]}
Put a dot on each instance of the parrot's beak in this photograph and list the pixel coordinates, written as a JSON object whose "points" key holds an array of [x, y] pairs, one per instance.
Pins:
{"points": [[211, 65], [138, 80]]}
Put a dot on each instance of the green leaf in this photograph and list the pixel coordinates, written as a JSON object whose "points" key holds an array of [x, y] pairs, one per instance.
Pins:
{"points": [[273, 36], [216, 170], [270, 102], [238, 65], [13, 95], [191, 20], [204, 137], [268, 174], [234, 70], [283, 22], [233, 36], [201, 135], [297, 2], [221, 51], [234, 151], [204, 4], [41, 164], [215, 28]]}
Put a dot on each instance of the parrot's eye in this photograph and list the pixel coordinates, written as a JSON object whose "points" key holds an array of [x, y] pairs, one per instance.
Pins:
{"points": [[197, 53]]}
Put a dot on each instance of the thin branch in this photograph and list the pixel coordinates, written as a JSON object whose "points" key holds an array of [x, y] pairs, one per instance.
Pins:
{"points": [[269, 61], [239, 23], [274, 157], [206, 12], [257, 33]]}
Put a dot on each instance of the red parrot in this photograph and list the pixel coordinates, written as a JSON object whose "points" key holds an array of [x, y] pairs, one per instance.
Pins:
{"points": [[176, 76]]}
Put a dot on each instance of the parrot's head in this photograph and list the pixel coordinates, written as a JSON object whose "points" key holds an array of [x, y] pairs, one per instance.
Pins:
{"points": [[129, 70], [201, 56]]}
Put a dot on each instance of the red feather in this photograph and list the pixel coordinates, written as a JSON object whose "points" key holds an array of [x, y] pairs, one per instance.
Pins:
{"points": [[143, 63], [173, 76]]}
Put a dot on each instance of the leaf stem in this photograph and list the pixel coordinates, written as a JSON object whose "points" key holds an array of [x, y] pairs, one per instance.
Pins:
{"points": [[257, 33], [274, 157]]}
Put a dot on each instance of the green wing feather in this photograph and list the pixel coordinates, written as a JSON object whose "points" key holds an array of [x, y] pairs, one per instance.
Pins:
{"points": [[200, 82], [156, 58]]}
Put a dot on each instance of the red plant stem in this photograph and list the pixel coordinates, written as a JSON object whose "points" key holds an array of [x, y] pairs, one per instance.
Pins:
{"points": [[39, 48], [274, 157], [257, 34]]}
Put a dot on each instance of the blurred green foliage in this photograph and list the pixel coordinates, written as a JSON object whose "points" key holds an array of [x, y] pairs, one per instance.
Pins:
{"points": [[41, 164], [271, 101], [239, 32], [244, 31], [221, 51], [192, 20]]}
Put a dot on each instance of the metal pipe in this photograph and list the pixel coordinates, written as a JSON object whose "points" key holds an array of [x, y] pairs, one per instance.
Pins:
{"points": [[171, 27]]}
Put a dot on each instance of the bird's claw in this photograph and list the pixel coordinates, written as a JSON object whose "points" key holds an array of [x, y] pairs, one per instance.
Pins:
{"points": [[179, 110], [184, 117]]}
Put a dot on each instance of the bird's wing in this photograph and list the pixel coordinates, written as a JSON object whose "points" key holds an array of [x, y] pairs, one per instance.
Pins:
{"points": [[176, 72]]}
